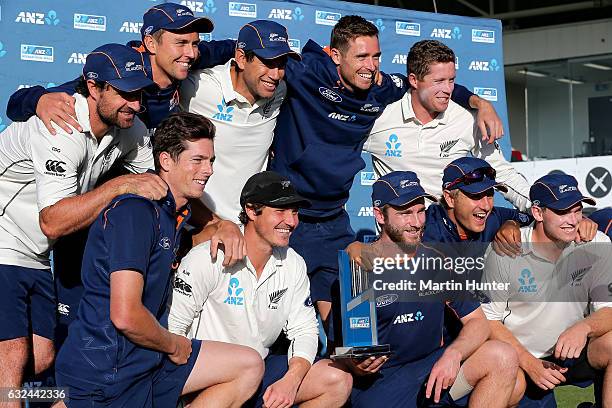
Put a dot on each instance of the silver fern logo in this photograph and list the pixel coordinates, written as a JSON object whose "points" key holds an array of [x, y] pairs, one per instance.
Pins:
{"points": [[275, 297], [446, 147]]}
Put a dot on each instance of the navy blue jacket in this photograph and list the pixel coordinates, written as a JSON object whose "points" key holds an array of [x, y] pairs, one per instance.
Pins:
{"points": [[159, 103], [322, 127], [132, 233]]}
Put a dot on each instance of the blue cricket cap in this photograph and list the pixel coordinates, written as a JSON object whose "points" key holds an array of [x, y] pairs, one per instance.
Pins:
{"points": [[267, 39], [470, 175], [173, 17], [557, 191], [119, 66], [398, 188]]}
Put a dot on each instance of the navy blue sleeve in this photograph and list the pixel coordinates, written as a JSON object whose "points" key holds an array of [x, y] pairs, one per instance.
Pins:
{"points": [[461, 95], [392, 88], [214, 53], [507, 214], [22, 104], [130, 230]]}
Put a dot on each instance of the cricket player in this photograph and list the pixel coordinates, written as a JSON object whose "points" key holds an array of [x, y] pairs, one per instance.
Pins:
{"points": [[118, 352], [47, 188], [260, 298]]}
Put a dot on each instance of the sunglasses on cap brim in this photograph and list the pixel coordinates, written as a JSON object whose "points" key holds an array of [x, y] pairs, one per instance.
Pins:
{"points": [[474, 176]]}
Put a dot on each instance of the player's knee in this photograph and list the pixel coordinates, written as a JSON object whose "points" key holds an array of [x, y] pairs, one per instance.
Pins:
{"points": [[502, 357], [14, 354], [252, 370], [339, 382], [43, 360]]}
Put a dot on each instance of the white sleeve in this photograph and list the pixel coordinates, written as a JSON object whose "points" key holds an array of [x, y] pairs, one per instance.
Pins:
{"points": [[496, 270], [139, 157], [600, 290], [518, 187], [195, 279], [302, 328], [56, 160]]}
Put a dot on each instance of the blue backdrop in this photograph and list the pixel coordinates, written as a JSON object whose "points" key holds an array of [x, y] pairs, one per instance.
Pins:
{"points": [[44, 42]]}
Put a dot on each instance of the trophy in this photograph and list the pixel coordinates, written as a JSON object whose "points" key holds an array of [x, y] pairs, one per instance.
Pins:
{"points": [[358, 309]]}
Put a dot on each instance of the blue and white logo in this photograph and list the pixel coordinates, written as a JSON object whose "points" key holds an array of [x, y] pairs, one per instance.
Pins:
{"points": [[393, 146], [130, 27], [2, 50], [380, 25], [234, 292], [409, 317], [386, 300], [483, 36], [400, 59], [408, 28], [77, 58], [368, 178], [34, 17], [527, 282], [454, 33], [297, 14], [281, 14], [225, 112], [490, 94], [365, 212], [242, 9], [41, 53], [359, 322], [51, 18], [487, 66], [341, 117], [207, 7], [165, 243], [206, 36], [295, 44], [330, 95], [89, 22], [327, 17]]}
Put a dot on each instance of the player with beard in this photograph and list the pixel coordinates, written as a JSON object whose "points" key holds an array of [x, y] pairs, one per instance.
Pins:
{"points": [[469, 365], [260, 298], [46, 184]]}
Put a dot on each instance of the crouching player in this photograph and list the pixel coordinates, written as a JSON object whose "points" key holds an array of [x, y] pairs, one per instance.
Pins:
{"points": [[469, 365], [557, 311], [254, 301], [117, 352]]}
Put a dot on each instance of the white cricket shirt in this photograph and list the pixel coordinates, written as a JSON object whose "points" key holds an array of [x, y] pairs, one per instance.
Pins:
{"points": [[400, 142], [38, 169], [545, 298], [211, 302], [243, 138]]}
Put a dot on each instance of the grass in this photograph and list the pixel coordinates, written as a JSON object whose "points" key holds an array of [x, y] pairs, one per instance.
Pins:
{"points": [[569, 396]]}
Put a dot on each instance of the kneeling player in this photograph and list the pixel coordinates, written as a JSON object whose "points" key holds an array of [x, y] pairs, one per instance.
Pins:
{"points": [[254, 301], [117, 352], [469, 364]]}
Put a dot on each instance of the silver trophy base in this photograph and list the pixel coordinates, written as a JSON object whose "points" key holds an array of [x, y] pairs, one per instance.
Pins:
{"points": [[361, 352]]}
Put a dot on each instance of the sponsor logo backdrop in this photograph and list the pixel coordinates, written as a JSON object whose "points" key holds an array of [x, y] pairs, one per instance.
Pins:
{"points": [[44, 42]]}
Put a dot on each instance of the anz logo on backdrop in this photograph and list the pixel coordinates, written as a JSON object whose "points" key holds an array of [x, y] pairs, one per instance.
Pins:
{"points": [[41, 53], [327, 17], [89, 22], [242, 9], [483, 36], [408, 28], [490, 94]]}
